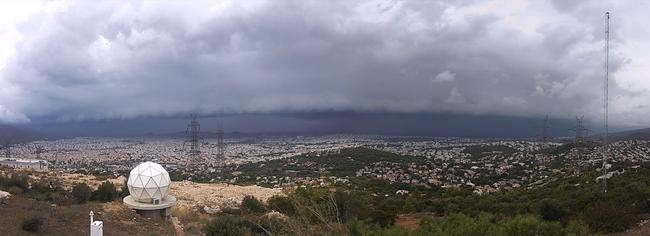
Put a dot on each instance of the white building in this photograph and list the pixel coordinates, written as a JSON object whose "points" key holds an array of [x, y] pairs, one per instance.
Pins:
{"points": [[31, 164]]}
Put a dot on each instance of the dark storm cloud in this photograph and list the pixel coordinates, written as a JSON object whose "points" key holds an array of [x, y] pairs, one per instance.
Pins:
{"points": [[107, 60]]}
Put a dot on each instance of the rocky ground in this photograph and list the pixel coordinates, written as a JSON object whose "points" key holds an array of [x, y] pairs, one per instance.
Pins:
{"points": [[190, 194]]}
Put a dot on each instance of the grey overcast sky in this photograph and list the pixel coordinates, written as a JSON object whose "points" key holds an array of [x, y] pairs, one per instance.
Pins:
{"points": [[104, 60]]}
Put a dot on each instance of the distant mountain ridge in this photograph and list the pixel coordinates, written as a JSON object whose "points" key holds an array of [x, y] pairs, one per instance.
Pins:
{"points": [[635, 134], [13, 134]]}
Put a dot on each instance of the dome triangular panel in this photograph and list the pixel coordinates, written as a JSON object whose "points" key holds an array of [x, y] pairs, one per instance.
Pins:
{"points": [[147, 181]]}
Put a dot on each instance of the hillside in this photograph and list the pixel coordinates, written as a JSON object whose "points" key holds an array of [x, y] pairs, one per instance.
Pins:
{"points": [[63, 217], [73, 219], [636, 134]]}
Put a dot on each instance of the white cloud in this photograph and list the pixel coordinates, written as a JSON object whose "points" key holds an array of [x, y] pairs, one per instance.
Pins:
{"points": [[455, 97], [445, 76], [11, 117]]}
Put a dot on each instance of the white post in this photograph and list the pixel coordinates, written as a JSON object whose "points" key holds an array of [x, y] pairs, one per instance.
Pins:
{"points": [[91, 222], [96, 227]]}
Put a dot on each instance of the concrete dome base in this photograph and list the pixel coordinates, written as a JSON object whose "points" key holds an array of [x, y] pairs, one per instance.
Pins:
{"points": [[154, 211], [166, 202]]}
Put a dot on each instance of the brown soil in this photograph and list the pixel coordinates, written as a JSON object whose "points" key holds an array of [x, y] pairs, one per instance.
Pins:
{"points": [[74, 219]]}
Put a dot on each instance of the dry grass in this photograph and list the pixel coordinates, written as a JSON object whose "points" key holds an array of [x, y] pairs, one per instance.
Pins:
{"points": [[73, 219], [191, 219]]}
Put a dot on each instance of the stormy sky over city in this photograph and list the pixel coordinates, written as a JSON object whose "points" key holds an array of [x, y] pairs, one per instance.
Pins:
{"points": [[438, 67]]}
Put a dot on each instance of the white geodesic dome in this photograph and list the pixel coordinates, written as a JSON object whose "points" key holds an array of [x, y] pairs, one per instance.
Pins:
{"points": [[148, 181]]}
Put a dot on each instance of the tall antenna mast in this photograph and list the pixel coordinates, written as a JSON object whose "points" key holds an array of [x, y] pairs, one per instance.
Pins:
{"points": [[605, 141]]}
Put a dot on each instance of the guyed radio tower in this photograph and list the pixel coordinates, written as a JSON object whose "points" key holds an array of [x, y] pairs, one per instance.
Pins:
{"points": [[606, 101]]}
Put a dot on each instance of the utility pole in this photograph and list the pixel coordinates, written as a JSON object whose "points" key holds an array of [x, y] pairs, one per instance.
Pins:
{"points": [[605, 141]]}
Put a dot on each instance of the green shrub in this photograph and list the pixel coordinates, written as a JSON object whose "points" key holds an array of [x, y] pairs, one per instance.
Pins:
{"points": [[250, 204], [610, 216], [125, 189], [549, 210], [15, 190], [229, 225], [32, 224], [106, 192], [531, 226], [382, 218], [40, 187], [81, 192], [282, 204], [577, 228], [458, 224], [385, 213], [360, 228], [16, 180], [350, 205]]}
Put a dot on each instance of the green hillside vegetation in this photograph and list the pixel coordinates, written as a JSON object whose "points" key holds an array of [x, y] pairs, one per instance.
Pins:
{"points": [[478, 152], [343, 163], [567, 206]]}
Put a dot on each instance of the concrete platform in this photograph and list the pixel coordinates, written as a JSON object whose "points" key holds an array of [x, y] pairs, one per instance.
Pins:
{"points": [[166, 202]]}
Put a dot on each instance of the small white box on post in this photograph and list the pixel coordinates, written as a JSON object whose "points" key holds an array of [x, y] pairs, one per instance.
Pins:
{"points": [[96, 227]]}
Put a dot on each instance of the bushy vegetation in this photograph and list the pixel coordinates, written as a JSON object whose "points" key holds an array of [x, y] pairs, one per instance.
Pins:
{"points": [[282, 204], [339, 163], [32, 224], [19, 181], [573, 205], [321, 212], [81, 192], [52, 190], [250, 204], [231, 225], [106, 192], [479, 151]]}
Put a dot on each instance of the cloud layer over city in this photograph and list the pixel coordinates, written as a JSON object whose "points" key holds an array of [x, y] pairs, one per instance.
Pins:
{"points": [[87, 60]]}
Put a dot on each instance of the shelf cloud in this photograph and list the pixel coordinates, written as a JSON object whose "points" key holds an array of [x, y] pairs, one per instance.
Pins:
{"points": [[83, 60]]}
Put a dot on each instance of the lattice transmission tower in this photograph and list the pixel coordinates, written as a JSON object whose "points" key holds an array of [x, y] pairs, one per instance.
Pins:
{"points": [[581, 132], [221, 146], [194, 130], [545, 138]]}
